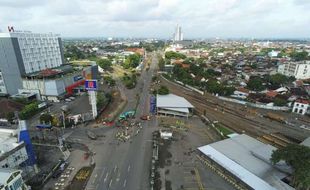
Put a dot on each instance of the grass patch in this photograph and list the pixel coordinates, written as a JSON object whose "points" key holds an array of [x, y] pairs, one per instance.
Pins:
{"points": [[224, 130]]}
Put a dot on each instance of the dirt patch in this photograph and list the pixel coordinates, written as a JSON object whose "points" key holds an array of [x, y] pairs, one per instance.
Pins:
{"points": [[116, 101]]}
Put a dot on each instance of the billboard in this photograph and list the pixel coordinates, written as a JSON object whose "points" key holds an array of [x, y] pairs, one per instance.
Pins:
{"points": [[91, 85]]}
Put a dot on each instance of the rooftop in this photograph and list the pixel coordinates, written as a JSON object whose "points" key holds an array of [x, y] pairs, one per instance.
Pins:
{"points": [[8, 140], [248, 159], [173, 101]]}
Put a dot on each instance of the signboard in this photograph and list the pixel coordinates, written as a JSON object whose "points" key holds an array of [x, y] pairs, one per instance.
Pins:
{"points": [[91, 84]]}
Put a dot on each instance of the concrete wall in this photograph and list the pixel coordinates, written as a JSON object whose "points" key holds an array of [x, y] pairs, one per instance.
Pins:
{"points": [[11, 64]]}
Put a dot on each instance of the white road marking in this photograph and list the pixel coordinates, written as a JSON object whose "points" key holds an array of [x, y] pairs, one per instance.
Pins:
{"points": [[125, 182], [95, 178], [115, 168], [106, 177], [110, 183], [128, 169]]}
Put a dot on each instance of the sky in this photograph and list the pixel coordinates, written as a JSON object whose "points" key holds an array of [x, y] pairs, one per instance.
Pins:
{"points": [[158, 18]]}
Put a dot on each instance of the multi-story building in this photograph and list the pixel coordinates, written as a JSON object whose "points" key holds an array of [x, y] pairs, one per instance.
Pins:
{"points": [[12, 180], [23, 53], [178, 35], [301, 106], [300, 69]]}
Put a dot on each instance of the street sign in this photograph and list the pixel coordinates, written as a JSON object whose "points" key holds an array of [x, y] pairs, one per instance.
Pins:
{"points": [[91, 84]]}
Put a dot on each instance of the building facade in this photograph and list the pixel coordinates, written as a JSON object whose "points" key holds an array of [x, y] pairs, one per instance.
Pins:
{"points": [[12, 180], [301, 106], [299, 70], [22, 53], [178, 35]]}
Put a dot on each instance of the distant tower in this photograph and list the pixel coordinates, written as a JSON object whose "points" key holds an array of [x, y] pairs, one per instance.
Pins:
{"points": [[178, 35]]}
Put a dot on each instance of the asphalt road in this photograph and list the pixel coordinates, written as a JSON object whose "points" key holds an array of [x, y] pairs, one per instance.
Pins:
{"points": [[126, 165]]}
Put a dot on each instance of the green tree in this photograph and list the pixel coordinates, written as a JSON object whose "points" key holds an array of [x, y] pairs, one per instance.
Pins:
{"points": [[255, 83], [46, 118], [104, 63], [299, 56], [132, 61], [279, 102], [174, 55], [297, 156], [163, 90], [101, 99], [29, 110], [279, 79], [213, 86]]}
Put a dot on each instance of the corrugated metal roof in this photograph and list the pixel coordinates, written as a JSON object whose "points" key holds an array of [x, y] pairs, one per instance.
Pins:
{"points": [[172, 101]]}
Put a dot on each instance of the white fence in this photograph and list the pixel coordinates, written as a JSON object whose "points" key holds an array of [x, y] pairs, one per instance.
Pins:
{"points": [[263, 106]]}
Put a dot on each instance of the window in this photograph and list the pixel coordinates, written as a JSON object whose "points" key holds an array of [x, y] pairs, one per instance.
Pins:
{"points": [[296, 110], [300, 111]]}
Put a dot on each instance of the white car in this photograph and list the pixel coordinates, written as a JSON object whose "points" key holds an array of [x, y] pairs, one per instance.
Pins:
{"points": [[68, 100], [72, 98]]}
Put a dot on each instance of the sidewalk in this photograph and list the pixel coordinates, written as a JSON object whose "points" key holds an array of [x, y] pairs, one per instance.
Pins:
{"points": [[76, 162]]}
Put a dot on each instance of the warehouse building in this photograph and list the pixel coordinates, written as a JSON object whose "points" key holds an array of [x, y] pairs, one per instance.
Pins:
{"points": [[247, 161], [173, 105]]}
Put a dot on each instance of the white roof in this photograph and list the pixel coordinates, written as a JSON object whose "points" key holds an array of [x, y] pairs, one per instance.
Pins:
{"points": [[306, 142], [5, 174], [243, 174], [8, 140], [248, 159], [172, 101]]}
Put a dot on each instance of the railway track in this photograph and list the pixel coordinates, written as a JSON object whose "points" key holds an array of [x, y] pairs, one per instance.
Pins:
{"points": [[232, 116]]}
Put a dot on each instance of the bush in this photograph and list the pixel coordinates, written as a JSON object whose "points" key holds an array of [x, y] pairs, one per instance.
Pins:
{"points": [[29, 110], [279, 102], [163, 90]]}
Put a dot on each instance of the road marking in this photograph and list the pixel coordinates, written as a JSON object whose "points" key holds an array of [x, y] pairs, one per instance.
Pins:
{"points": [[115, 168], [125, 182], [102, 173], [95, 178], [118, 176], [106, 177], [128, 169], [110, 183]]}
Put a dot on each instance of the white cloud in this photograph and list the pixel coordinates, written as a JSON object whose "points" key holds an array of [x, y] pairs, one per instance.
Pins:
{"points": [[148, 18]]}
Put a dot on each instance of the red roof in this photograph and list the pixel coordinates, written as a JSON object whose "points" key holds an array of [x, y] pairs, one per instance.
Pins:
{"points": [[243, 90], [302, 101], [272, 94], [49, 72]]}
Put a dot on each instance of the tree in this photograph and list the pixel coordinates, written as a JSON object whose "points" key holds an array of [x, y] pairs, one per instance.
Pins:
{"points": [[174, 55], [297, 156], [163, 90], [10, 116], [104, 63], [213, 86], [279, 102], [255, 83], [101, 99], [46, 118], [132, 61], [279, 79], [299, 56], [29, 110]]}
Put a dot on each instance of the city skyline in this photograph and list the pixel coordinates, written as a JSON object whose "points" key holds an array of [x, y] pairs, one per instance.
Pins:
{"points": [[157, 18]]}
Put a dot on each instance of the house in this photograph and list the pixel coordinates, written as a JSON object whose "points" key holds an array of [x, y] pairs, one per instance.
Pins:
{"points": [[271, 94], [241, 93], [301, 106]]}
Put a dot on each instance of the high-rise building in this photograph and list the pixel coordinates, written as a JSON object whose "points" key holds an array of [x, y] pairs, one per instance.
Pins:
{"points": [[299, 70], [178, 35], [23, 53]]}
